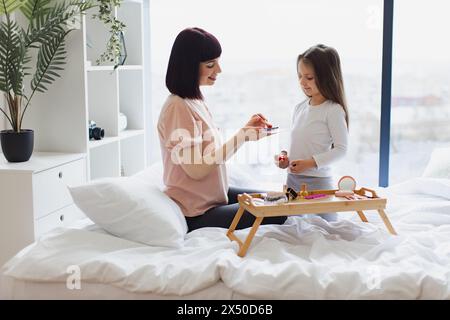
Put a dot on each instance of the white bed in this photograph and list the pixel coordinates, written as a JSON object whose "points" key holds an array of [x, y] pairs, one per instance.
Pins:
{"points": [[307, 258]]}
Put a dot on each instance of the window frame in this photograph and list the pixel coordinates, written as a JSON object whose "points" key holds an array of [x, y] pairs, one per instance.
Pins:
{"points": [[386, 93]]}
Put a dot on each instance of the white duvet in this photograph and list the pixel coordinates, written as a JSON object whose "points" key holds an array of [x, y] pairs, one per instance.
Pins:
{"points": [[307, 258]]}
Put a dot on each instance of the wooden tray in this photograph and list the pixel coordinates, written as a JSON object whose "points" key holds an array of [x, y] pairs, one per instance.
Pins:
{"points": [[299, 206]]}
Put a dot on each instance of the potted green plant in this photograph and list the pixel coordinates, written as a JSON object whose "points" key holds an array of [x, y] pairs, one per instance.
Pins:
{"points": [[44, 37]]}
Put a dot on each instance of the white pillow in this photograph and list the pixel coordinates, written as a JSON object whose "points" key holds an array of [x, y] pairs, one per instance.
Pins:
{"points": [[132, 209], [439, 164], [153, 174]]}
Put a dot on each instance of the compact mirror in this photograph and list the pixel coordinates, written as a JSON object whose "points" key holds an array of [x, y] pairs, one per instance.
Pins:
{"points": [[347, 183]]}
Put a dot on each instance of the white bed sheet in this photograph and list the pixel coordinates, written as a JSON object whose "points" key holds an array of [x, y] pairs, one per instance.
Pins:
{"points": [[307, 258]]}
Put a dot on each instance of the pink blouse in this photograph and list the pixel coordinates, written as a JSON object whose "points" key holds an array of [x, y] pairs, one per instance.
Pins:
{"points": [[183, 124]]}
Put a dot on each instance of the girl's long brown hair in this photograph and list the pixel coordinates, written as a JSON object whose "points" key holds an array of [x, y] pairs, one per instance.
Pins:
{"points": [[326, 64]]}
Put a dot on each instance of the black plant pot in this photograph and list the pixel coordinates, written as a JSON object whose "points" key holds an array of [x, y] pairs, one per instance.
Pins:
{"points": [[17, 146]]}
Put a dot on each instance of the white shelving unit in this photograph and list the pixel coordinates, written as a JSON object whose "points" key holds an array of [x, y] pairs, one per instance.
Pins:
{"points": [[87, 91], [3, 124]]}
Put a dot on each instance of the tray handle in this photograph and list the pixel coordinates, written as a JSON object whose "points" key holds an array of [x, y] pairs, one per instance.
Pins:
{"points": [[363, 190], [246, 199]]}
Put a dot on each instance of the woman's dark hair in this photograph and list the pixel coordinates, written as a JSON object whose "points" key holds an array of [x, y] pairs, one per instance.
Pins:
{"points": [[191, 46], [328, 75]]}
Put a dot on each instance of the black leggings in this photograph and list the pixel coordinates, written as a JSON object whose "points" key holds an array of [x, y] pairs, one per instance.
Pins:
{"points": [[222, 216]]}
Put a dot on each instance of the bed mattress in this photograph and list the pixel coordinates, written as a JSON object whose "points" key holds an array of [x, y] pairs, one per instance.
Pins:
{"points": [[16, 289]]}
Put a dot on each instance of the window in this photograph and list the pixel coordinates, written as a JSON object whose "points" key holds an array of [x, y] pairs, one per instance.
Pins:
{"points": [[420, 112]]}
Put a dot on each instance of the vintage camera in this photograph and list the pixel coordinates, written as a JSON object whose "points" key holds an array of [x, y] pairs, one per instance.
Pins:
{"points": [[95, 132]]}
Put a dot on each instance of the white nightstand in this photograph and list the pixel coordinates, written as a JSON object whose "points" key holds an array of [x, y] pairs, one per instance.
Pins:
{"points": [[34, 197]]}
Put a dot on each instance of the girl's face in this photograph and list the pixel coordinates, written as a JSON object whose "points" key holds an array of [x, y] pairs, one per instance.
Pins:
{"points": [[208, 72], [306, 77]]}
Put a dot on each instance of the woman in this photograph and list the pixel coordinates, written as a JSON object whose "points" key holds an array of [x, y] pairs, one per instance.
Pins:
{"points": [[193, 153]]}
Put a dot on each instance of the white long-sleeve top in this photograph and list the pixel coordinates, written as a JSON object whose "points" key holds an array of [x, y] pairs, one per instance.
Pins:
{"points": [[314, 130]]}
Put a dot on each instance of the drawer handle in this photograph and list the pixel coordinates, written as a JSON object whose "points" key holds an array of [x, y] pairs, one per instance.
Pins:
{"points": [[60, 175], [61, 217]]}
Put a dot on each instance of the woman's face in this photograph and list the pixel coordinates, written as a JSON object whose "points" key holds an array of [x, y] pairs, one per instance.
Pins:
{"points": [[306, 77], [208, 72]]}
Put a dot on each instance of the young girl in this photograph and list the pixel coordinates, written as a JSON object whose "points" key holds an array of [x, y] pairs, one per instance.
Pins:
{"points": [[320, 123]]}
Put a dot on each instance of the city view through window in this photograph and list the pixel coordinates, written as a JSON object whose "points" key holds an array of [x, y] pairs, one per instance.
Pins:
{"points": [[261, 41]]}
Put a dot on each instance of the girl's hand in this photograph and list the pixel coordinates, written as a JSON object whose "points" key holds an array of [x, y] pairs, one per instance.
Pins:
{"points": [[298, 166], [252, 131], [282, 160]]}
